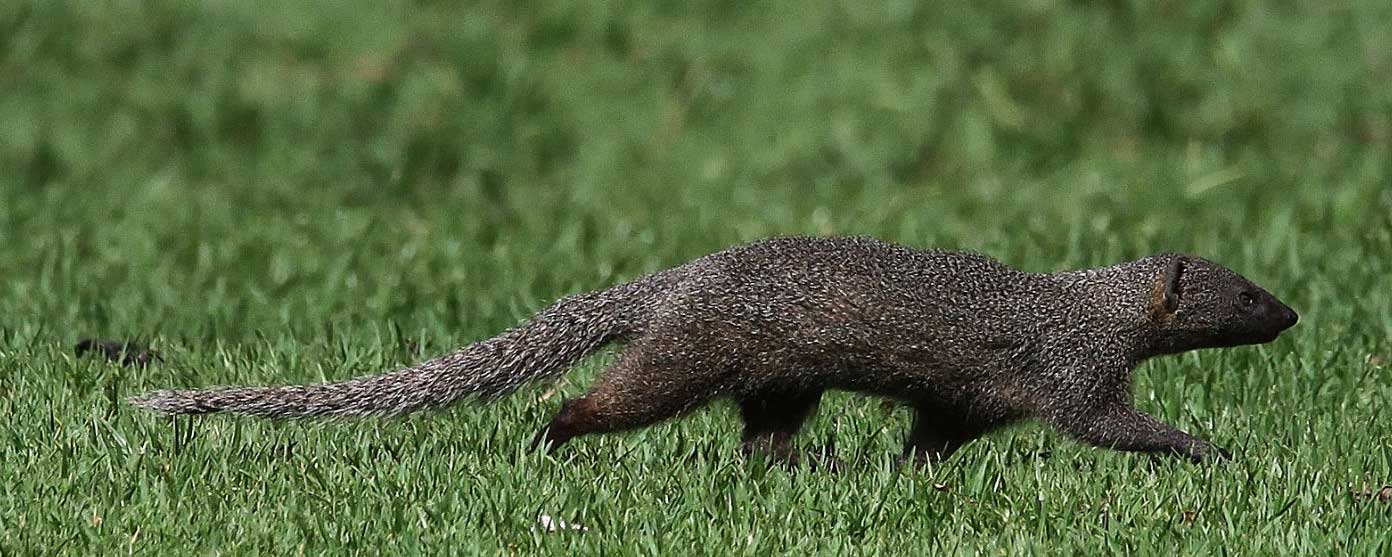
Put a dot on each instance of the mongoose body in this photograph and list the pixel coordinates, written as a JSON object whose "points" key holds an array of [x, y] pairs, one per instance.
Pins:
{"points": [[969, 343]]}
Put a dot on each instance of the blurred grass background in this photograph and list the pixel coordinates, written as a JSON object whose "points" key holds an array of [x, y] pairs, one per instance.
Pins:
{"points": [[272, 192]]}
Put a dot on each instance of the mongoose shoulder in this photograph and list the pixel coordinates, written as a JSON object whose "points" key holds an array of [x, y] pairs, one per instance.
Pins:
{"points": [[969, 343]]}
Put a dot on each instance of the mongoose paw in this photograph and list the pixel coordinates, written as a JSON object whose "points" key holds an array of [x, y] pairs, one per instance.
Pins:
{"points": [[819, 459], [921, 457], [917, 461], [1205, 454], [127, 353]]}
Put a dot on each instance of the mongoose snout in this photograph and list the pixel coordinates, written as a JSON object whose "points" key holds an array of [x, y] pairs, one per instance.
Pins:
{"points": [[1289, 317], [1285, 317]]}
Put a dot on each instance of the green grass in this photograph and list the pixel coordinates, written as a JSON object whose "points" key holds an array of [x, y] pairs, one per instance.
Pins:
{"points": [[271, 194]]}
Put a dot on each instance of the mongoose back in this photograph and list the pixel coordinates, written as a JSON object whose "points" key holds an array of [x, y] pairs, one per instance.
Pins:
{"points": [[969, 343]]}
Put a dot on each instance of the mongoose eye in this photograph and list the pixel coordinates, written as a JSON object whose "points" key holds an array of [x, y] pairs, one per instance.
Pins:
{"points": [[1246, 299]]}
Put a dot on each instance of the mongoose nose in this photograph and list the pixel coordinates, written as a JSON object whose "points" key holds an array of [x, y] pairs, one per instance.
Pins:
{"points": [[1290, 317]]}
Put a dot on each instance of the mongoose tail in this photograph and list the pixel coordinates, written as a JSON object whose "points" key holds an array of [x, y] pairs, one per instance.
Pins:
{"points": [[545, 346]]}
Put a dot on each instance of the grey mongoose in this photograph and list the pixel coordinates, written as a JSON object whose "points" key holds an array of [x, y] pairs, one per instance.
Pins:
{"points": [[969, 343]]}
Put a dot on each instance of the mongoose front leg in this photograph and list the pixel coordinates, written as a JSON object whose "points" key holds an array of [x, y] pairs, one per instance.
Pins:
{"points": [[771, 419], [937, 433], [1123, 428]]}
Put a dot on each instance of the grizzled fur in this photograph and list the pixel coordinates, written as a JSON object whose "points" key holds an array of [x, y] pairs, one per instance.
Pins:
{"points": [[968, 342]]}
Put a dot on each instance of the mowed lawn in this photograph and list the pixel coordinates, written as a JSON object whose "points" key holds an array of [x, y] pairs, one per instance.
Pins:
{"points": [[269, 194]]}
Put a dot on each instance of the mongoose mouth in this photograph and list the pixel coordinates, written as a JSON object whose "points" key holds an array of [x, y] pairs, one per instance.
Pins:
{"points": [[1272, 320]]}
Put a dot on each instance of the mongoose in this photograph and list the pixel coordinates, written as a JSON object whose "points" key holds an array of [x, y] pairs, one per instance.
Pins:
{"points": [[969, 343]]}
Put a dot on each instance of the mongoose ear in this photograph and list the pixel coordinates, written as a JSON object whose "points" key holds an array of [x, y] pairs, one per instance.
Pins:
{"points": [[1169, 301]]}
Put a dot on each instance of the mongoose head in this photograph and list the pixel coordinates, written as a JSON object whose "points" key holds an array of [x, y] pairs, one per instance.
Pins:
{"points": [[1200, 304]]}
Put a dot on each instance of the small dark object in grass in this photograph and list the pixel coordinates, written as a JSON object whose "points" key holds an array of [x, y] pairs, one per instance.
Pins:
{"points": [[126, 353], [1383, 494]]}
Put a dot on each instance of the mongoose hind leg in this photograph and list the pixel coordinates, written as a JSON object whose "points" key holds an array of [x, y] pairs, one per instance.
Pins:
{"points": [[636, 391], [772, 418]]}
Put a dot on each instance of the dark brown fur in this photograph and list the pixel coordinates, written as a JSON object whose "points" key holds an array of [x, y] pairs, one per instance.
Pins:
{"points": [[970, 344], [128, 353]]}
